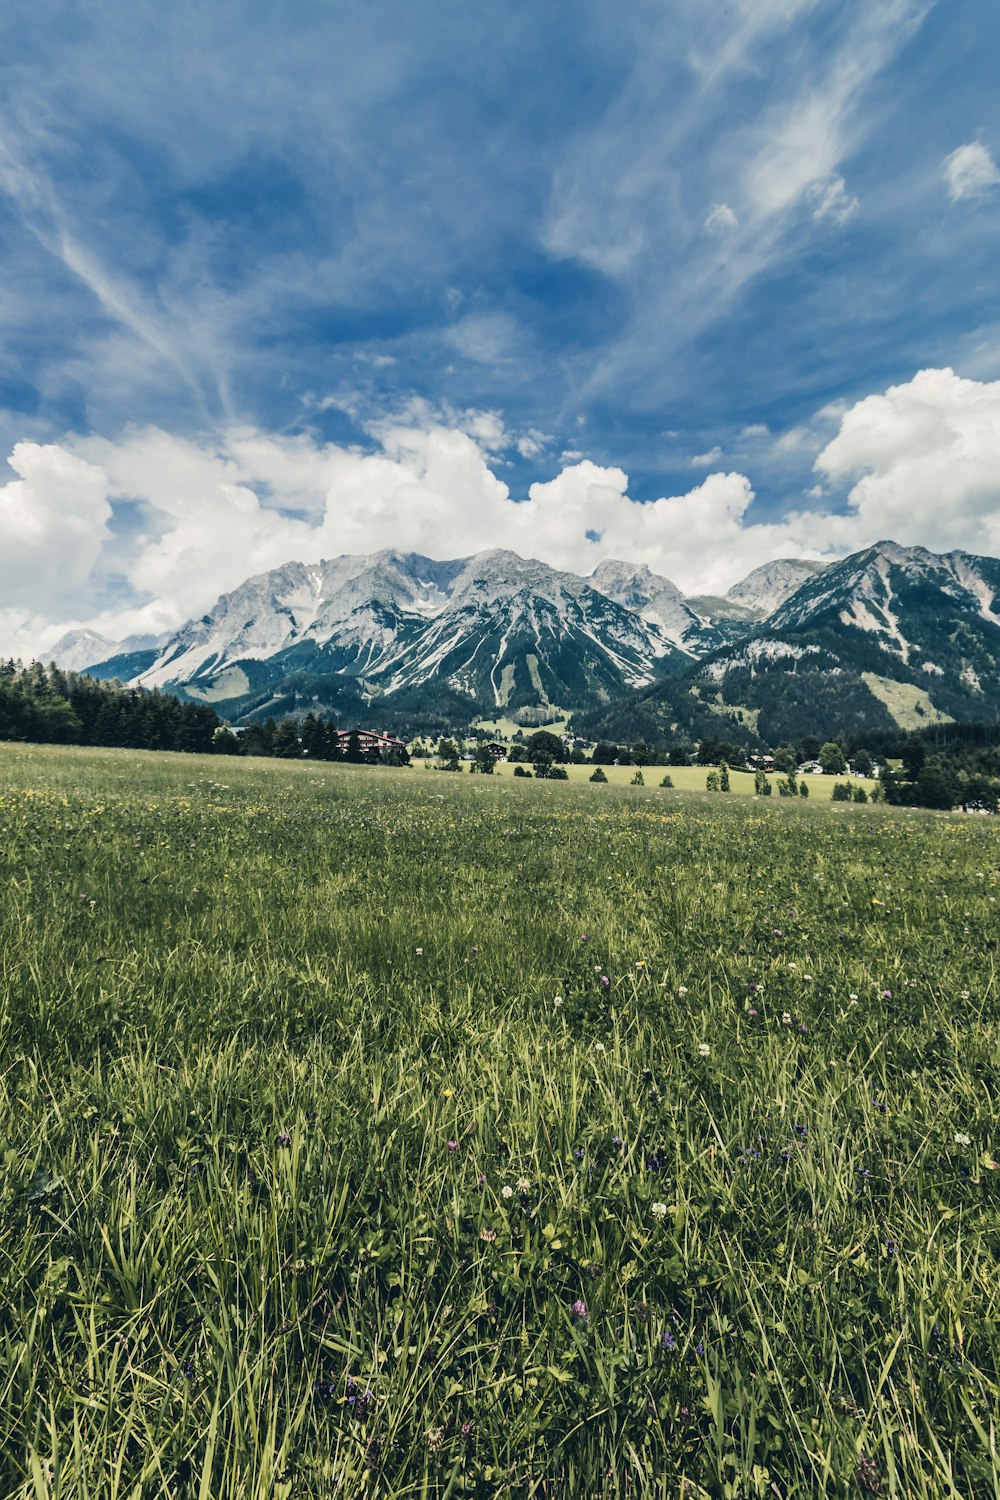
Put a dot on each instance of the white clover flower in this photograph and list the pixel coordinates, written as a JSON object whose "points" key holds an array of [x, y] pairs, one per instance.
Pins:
{"points": [[793, 966], [704, 1049], [557, 1001], [963, 994], [786, 1018], [506, 1191], [807, 976], [852, 996], [524, 1185], [682, 990], [418, 950], [659, 1210], [961, 1139], [599, 1047]]}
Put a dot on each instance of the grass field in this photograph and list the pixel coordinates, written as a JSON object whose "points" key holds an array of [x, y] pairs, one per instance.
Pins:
{"points": [[403, 1134], [685, 778]]}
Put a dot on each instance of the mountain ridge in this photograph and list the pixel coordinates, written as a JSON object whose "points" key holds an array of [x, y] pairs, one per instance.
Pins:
{"points": [[886, 631]]}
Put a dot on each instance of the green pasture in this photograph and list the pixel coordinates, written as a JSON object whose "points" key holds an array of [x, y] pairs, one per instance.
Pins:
{"points": [[685, 778], [396, 1133]]}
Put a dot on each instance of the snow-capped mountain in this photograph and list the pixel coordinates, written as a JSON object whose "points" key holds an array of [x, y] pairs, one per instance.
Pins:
{"points": [[767, 587], [891, 634], [889, 637], [496, 628], [80, 650], [660, 603]]}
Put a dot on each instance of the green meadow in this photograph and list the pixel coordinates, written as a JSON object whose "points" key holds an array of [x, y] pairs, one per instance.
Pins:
{"points": [[398, 1133], [684, 778]]}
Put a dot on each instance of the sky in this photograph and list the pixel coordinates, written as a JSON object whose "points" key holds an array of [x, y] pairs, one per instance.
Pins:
{"points": [[695, 283]]}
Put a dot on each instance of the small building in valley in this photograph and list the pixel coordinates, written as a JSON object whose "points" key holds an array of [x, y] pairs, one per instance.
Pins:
{"points": [[370, 739]]}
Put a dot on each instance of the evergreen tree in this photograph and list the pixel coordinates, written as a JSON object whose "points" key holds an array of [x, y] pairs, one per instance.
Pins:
{"points": [[286, 740]]}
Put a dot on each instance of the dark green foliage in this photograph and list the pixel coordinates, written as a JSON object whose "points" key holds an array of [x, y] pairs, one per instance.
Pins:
{"points": [[48, 706], [543, 745], [599, 775]]}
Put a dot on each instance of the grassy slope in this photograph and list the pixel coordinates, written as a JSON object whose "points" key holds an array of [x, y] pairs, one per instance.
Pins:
{"points": [[244, 1007]]}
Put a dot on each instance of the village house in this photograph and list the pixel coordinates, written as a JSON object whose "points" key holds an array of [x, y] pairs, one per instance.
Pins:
{"points": [[370, 739]]}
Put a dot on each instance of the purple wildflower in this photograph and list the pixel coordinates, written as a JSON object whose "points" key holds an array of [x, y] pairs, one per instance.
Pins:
{"points": [[579, 1310], [452, 1147]]}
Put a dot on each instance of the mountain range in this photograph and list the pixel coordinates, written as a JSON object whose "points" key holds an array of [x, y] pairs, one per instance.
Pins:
{"points": [[889, 637]]}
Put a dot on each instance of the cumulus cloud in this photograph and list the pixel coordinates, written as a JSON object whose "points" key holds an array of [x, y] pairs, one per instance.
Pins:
{"points": [[970, 172], [706, 460], [831, 200], [721, 219], [53, 524], [925, 456], [917, 464]]}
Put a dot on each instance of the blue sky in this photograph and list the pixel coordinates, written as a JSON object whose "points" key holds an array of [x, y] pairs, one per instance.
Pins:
{"points": [[669, 239]]}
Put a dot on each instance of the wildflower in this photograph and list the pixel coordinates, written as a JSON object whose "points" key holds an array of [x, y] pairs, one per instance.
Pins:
{"points": [[579, 1153], [699, 1349], [605, 981], [599, 1047], [752, 1011], [703, 1049], [807, 976], [418, 950], [557, 1001], [963, 995], [579, 1310], [852, 996], [887, 994], [474, 950], [506, 1191], [616, 1141], [786, 1018], [465, 1429], [803, 1027], [682, 990], [452, 1147], [961, 1139], [524, 1185], [659, 1210], [284, 1139], [480, 1179], [640, 963], [489, 1235], [793, 966], [890, 1247], [435, 1439], [449, 1093], [667, 1341]]}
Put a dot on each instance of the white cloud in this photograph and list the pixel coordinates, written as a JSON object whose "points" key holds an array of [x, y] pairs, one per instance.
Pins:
{"points": [[705, 460], [831, 200], [721, 219], [53, 525], [920, 460], [970, 172], [756, 430], [927, 456]]}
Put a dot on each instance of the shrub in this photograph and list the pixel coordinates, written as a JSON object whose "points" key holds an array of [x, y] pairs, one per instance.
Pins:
{"points": [[599, 775], [637, 779], [521, 771], [668, 780]]}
